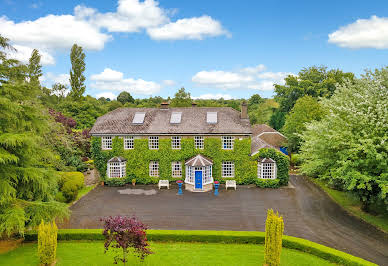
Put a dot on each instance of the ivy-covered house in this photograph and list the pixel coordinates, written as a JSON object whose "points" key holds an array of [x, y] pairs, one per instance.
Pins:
{"points": [[196, 144]]}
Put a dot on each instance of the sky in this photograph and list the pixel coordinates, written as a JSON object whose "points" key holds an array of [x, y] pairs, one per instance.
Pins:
{"points": [[217, 48]]}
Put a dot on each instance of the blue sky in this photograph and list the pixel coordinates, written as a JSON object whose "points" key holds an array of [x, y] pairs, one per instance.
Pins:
{"points": [[213, 48]]}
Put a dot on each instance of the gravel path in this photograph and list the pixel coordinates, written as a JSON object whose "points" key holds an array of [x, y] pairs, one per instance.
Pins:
{"points": [[308, 213]]}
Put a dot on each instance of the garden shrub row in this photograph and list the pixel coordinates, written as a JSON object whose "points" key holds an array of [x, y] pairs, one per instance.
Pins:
{"points": [[237, 237]]}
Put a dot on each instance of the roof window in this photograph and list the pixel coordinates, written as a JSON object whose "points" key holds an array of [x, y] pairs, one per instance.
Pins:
{"points": [[211, 117], [176, 117], [138, 118]]}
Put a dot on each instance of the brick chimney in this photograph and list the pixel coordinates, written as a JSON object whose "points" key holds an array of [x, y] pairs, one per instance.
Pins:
{"points": [[164, 106], [193, 104], [244, 110]]}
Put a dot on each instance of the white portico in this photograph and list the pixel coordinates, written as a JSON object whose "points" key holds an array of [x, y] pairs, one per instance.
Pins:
{"points": [[199, 174]]}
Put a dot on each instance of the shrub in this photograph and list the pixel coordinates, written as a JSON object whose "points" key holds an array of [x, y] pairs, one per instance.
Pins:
{"points": [[60, 198], [70, 183], [124, 232], [47, 242], [267, 183], [70, 190], [295, 159], [274, 227], [116, 182]]}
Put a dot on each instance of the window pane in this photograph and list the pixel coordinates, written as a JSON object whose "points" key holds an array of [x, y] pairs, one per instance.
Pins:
{"points": [[106, 142], [176, 142], [153, 142], [176, 169], [227, 169], [227, 142], [198, 142], [128, 142], [154, 168]]}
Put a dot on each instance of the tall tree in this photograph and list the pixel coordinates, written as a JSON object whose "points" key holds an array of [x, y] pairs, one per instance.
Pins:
{"points": [[34, 68], [77, 78], [124, 97], [305, 110], [181, 99], [27, 181], [348, 146]]}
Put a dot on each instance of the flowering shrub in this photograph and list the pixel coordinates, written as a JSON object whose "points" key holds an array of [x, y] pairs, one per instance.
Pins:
{"points": [[125, 233]]}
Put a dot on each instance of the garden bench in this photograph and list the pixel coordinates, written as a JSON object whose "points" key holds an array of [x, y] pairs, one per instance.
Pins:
{"points": [[164, 183], [231, 183]]}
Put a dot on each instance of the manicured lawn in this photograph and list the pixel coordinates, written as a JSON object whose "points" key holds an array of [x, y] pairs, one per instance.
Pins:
{"points": [[353, 205], [92, 253]]}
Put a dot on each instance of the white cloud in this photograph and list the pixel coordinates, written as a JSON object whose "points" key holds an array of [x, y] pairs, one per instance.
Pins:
{"points": [[23, 53], [107, 95], [169, 82], [250, 77], [364, 33], [50, 78], [196, 28], [211, 96], [107, 80]]}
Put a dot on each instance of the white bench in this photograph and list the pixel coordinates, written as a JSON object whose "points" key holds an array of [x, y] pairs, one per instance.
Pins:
{"points": [[231, 183], [164, 183]]}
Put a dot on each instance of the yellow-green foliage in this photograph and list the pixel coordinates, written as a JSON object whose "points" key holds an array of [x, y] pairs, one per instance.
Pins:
{"points": [[274, 227], [47, 242], [70, 183]]}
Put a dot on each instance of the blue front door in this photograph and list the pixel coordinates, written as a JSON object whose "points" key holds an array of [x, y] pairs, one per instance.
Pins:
{"points": [[198, 179]]}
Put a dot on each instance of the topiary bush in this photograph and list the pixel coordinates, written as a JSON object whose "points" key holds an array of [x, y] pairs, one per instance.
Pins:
{"points": [[267, 183], [69, 184], [47, 243], [274, 228]]}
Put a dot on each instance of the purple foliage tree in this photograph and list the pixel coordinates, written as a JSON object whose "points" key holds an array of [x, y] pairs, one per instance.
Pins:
{"points": [[125, 233]]}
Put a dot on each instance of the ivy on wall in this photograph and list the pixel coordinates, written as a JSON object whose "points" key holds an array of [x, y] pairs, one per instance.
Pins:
{"points": [[138, 159]]}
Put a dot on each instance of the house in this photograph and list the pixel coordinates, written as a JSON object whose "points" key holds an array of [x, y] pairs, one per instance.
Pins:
{"points": [[201, 144], [264, 136]]}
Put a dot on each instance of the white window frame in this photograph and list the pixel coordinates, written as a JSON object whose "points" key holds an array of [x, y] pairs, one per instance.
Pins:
{"points": [[129, 142], [153, 142], [106, 142], [176, 169], [116, 169], [227, 141], [227, 169], [176, 142], [266, 170], [154, 169], [199, 142]]}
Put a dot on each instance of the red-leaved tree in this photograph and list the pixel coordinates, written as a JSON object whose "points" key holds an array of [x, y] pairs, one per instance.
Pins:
{"points": [[125, 233]]}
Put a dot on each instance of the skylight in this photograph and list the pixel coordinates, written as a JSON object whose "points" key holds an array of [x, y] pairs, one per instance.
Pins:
{"points": [[138, 118], [211, 117], [176, 117]]}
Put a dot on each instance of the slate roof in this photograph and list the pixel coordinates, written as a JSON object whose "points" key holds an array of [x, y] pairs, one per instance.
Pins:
{"points": [[264, 136], [117, 159], [199, 160], [266, 160], [157, 121]]}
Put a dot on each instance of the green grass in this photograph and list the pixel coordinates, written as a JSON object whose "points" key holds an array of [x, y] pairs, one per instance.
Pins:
{"points": [[92, 253], [353, 205]]}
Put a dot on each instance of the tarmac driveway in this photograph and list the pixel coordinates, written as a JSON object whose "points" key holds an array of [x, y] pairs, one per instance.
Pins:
{"points": [[307, 211]]}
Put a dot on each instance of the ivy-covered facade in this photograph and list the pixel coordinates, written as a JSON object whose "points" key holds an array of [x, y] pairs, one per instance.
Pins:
{"points": [[209, 157]]}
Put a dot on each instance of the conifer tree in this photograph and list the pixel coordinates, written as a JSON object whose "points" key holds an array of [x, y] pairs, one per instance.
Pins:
{"points": [[27, 181], [34, 68], [77, 78]]}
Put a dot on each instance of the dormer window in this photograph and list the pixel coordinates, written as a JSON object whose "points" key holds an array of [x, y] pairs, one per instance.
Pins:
{"points": [[211, 117], [138, 118], [176, 117], [116, 167], [266, 168]]}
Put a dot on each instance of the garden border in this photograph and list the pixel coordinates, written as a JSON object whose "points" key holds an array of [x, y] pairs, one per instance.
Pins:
{"points": [[207, 236]]}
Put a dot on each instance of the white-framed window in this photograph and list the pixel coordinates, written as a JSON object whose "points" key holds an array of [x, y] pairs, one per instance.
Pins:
{"points": [[189, 175], [268, 170], [106, 142], [153, 142], [198, 142], [129, 142], [116, 169], [227, 169], [227, 142], [176, 142], [154, 168], [176, 169], [208, 174]]}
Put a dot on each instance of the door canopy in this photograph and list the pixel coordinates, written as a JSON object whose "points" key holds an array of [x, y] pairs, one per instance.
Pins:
{"points": [[199, 161]]}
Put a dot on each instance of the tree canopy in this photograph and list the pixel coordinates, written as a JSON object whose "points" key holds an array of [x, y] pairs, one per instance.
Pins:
{"points": [[77, 78], [124, 97], [349, 146], [181, 99]]}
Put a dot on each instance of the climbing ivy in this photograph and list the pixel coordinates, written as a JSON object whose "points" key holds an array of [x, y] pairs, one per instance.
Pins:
{"points": [[138, 158]]}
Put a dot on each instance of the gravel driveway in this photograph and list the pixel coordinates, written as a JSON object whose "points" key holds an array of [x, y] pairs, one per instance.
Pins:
{"points": [[308, 213]]}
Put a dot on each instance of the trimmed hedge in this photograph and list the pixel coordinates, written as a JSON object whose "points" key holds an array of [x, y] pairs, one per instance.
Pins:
{"points": [[238, 237]]}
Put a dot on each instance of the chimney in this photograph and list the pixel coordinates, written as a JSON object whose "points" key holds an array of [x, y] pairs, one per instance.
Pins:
{"points": [[164, 106], [193, 104], [244, 110]]}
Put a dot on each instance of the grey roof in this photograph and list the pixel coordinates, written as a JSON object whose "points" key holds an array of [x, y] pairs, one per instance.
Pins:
{"points": [[264, 136], [157, 121], [199, 160], [266, 160], [117, 159], [257, 143]]}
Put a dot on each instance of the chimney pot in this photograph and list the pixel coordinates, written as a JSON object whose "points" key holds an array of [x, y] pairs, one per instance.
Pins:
{"points": [[193, 104], [244, 110], [164, 106]]}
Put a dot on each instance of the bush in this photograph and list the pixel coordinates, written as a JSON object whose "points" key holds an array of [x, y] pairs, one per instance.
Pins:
{"points": [[120, 181], [274, 227], [238, 237], [47, 243], [69, 184], [295, 159], [60, 198], [267, 183]]}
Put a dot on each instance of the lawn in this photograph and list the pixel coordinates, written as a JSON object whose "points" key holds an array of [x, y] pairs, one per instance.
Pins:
{"points": [[353, 205], [92, 253]]}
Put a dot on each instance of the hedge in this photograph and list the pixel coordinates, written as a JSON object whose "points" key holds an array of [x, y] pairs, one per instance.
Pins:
{"points": [[138, 159], [237, 237]]}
